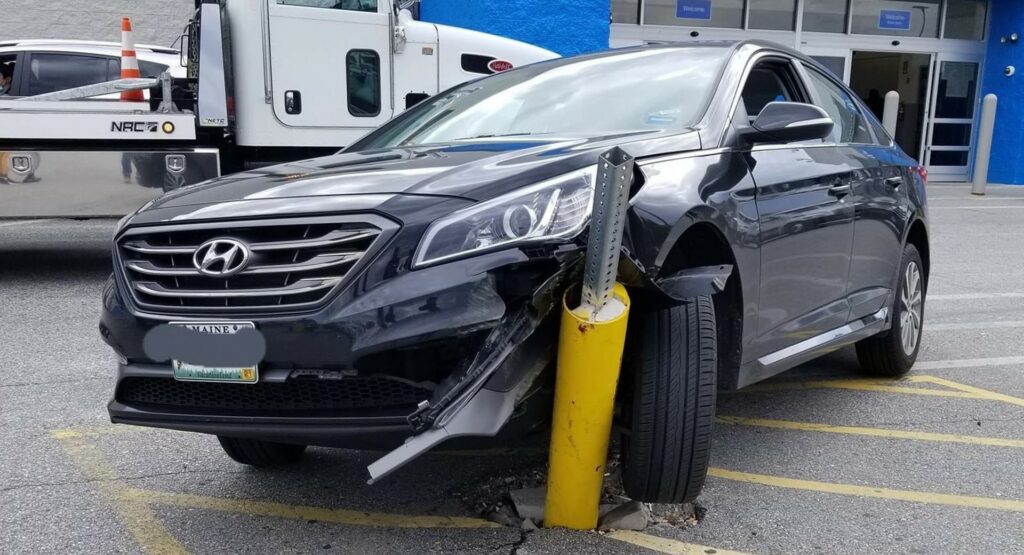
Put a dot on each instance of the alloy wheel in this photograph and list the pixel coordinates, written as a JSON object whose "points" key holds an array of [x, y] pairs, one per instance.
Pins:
{"points": [[911, 308]]}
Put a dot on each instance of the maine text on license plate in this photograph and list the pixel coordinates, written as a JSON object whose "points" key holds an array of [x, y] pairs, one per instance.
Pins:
{"points": [[195, 372]]}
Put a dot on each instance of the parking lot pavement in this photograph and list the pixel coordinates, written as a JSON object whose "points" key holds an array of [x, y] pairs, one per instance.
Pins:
{"points": [[818, 459]]}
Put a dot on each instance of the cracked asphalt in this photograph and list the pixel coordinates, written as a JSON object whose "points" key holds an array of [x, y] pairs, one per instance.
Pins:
{"points": [[804, 463]]}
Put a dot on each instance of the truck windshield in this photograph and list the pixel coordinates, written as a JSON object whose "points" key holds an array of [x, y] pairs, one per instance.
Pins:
{"points": [[630, 91]]}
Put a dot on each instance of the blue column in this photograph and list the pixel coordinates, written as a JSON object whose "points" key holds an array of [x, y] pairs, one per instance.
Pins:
{"points": [[1008, 142], [564, 26]]}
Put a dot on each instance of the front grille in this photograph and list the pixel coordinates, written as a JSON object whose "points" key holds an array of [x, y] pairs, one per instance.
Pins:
{"points": [[293, 397], [292, 264]]}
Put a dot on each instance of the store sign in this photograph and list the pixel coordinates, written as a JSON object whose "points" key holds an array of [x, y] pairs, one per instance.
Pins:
{"points": [[693, 9], [894, 20]]}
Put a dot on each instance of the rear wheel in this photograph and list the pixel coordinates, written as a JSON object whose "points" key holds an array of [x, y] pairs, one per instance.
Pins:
{"points": [[254, 452], [892, 353], [674, 361]]}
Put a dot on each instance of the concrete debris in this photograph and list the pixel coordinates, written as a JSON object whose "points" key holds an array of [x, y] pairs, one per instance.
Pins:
{"points": [[629, 516], [529, 503]]}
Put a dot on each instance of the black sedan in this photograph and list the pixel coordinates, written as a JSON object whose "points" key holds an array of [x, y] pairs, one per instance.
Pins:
{"points": [[407, 287]]}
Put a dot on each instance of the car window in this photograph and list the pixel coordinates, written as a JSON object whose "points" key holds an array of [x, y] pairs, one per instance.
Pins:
{"points": [[50, 72], [850, 124], [149, 69], [765, 84]]}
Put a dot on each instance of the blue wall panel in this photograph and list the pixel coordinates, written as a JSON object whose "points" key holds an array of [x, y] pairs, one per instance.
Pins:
{"points": [[1007, 164], [564, 26]]}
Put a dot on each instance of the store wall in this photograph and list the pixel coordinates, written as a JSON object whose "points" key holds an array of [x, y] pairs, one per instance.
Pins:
{"points": [[1007, 151], [154, 21], [564, 26]]}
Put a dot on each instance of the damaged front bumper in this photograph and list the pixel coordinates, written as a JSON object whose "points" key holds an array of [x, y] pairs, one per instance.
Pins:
{"points": [[497, 308], [480, 400]]}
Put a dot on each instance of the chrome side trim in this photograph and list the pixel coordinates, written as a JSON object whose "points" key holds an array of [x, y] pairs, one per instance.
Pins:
{"points": [[268, 86], [824, 339]]}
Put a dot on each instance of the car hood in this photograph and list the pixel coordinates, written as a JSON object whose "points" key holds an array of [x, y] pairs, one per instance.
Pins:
{"points": [[474, 171]]}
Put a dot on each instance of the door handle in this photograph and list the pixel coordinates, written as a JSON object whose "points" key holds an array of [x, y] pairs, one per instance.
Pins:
{"points": [[894, 181], [840, 189]]}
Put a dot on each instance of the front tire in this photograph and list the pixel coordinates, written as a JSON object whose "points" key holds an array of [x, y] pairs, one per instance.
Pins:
{"points": [[675, 367], [893, 353], [262, 454]]}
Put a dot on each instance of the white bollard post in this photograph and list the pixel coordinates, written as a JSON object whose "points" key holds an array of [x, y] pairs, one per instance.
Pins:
{"points": [[891, 112], [984, 150]]}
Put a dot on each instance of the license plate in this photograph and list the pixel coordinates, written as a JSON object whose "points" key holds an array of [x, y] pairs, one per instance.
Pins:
{"points": [[185, 371]]}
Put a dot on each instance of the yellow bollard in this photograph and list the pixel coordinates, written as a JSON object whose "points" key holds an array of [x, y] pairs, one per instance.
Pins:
{"points": [[589, 357]]}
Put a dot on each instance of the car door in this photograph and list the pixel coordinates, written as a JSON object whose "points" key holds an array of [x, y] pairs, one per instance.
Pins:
{"points": [[806, 219], [881, 208], [331, 62]]}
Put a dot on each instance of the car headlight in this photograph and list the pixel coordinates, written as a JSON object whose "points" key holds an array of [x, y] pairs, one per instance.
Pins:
{"points": [[557, 208]]}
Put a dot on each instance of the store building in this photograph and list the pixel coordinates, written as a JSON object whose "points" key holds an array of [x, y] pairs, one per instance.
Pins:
{"points": [[942, 56]]}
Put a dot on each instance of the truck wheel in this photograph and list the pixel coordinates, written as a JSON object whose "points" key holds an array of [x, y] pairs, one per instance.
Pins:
{"points": [[254, 452], [674, 358], [893, 352]]}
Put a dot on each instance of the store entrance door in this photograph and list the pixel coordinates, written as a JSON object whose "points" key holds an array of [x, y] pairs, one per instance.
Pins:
{"points": [[873, 74]]}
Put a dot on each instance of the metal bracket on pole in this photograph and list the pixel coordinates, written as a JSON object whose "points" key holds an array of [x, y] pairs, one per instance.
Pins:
{"points": [[984, 152], [607, 224]]}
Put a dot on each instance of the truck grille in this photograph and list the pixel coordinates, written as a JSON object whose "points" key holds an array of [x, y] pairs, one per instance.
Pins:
{"points": [[293, 396], [279, 265]]}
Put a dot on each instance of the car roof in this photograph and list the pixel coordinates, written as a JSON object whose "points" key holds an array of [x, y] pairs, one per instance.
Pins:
{"points": [[84, 45], [749, 45]]}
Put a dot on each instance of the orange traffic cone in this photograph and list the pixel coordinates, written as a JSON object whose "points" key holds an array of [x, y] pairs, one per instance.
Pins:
{"points": [[129, 63]]}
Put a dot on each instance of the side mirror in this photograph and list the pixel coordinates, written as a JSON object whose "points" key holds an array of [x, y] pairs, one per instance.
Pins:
{"points": [[788, 122]]}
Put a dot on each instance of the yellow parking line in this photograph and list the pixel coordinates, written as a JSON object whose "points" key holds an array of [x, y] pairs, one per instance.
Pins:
{"points": [[303, 512], [977, 392], [859, 385], [136, 516], [875, 432], [867, 491], [666, 545]]}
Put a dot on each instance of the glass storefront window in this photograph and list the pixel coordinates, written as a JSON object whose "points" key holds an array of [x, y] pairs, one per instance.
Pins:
{"points": [[950, 157], [775, 15], [906, 18], [958, 84], [625, 11], [965, 19], [727, 14], [825, 16], [835, 64]]}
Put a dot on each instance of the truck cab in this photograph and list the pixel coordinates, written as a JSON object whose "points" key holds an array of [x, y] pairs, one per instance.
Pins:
{"points": [[322, 73]]}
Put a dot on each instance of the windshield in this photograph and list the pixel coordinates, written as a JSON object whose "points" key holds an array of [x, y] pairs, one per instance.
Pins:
{"points": [[632, 91]]}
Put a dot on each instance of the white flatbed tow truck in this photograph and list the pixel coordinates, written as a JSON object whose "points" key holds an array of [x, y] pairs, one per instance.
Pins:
{"points": [[268, 81]]}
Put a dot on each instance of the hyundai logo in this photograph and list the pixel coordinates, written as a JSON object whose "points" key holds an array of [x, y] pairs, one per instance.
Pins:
{"points": [[221, 257]]}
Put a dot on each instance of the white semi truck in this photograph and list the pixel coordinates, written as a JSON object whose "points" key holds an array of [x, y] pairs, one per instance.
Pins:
{"points": [[267, 81]]}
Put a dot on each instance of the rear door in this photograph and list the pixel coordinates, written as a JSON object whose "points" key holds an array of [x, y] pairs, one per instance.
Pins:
{"points": [[330, 62], [805, 216]]}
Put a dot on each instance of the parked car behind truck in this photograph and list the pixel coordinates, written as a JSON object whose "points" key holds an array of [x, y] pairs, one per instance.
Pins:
{"points": [[406, 288], [267, 81]]}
